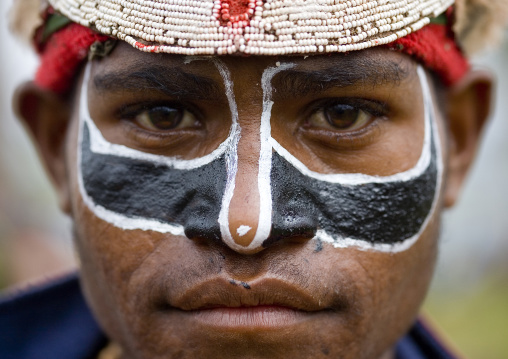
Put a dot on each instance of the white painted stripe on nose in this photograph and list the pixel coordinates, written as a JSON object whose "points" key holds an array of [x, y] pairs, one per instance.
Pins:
{"points": [[231, 157], [265, 158]]}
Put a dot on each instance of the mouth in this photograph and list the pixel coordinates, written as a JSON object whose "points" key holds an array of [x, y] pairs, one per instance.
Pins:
{"points": [[265, 303]]}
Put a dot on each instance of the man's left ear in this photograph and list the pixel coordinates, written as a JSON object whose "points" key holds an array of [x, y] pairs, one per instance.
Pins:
{"points": [[46, 116], [468, 107]]}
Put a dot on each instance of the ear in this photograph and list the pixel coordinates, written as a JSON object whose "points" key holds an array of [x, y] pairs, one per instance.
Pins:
{"points": [[46, 117], [468, 107]]}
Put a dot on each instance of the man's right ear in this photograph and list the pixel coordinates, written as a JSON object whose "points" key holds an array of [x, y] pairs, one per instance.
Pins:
{"points": [[47, 116]]}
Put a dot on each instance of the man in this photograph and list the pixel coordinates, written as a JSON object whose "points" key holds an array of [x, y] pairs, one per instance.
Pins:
{"points": [[257, 179]]}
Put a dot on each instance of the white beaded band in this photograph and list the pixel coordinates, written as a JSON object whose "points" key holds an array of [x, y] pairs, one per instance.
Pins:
{"points": [[260, 27]]}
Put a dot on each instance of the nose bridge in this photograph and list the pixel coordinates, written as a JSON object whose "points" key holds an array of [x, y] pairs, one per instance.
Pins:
{"points": [[245, 220], [248, 221]]}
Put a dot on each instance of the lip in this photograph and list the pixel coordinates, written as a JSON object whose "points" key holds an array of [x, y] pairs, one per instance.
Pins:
{"points": [[263, 303], [261, 316]]}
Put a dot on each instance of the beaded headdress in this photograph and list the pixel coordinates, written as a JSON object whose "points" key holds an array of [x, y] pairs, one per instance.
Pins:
{"points": [[420, 28], [260, 27]]}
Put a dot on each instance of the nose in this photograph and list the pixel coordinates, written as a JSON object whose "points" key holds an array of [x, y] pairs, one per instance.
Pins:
{"points": [[248, 212], [250, 218], [267, 208]]}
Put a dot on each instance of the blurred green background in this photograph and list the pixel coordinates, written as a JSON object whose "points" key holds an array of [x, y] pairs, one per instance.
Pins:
{"points": [[468, 300], [474, 320]]}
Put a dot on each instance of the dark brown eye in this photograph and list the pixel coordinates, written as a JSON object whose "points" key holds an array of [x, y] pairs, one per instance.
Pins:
{"points": [[340, 117], [164, 118]]}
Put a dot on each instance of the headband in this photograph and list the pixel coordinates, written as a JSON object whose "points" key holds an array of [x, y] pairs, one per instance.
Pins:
{"points": [[250, 27]]}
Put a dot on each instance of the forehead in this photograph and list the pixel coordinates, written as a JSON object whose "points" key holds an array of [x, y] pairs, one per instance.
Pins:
{"points": [[375, 65]]}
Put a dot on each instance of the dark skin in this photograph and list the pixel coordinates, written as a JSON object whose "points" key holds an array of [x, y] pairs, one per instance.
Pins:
{"points": [[163, 296]]}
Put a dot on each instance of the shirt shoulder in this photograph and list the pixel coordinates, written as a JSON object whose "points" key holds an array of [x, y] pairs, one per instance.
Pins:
{"points": [[421, 343], [49, 321]]}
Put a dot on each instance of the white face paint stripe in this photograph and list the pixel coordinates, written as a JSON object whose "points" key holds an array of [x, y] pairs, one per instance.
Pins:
{"points": [[100, 145], [430, 119], [265, 159], [231, 158], [360, 178], [116, 219]]}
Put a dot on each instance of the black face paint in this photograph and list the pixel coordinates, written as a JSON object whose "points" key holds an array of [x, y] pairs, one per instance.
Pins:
{"points": [[374, 212], [135, 188], [367, 212]]}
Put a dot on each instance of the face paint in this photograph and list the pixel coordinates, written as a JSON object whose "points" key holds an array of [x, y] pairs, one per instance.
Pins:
{"points": [[231, 158], [243, 230], [384, 214], [265, 160], [135, 190]]}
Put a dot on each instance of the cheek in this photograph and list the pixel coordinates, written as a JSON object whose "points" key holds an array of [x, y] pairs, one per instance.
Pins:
{"points": [[103, 248], [398, 282], [121, 274], [112, 251], [397, 285], [109, 257]]}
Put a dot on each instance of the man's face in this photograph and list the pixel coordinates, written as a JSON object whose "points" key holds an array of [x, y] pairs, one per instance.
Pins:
{"points": [[239, 292]]}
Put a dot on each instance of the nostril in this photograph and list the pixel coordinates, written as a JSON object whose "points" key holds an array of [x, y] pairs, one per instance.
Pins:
{"points": [[202, 228], [290, 226]]}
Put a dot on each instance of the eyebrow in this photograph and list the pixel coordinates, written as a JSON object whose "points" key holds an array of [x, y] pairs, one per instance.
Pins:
{"points": [[364, 72], [175, 82], [171, 81]]}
